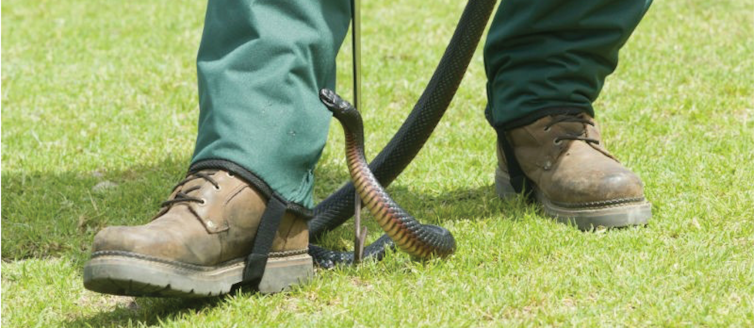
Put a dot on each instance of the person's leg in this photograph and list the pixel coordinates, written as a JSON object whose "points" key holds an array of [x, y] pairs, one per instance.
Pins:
{"points": [[239, 216], [260, 67], [546, 62]]}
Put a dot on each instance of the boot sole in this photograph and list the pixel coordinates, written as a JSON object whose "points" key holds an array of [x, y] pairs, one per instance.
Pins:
{"points": [[583, 217], [131, 274]]}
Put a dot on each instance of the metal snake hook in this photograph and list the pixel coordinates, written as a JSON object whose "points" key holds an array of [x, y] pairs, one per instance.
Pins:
{"points": [[361, 233]]}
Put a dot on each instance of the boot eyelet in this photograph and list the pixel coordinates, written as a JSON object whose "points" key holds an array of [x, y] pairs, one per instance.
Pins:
{"points": [[547, 129], [229, 174], [203, 201], [557, 141], [218, 187]]}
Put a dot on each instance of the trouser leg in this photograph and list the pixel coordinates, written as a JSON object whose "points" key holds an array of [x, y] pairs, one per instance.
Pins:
{"points": [[260, 66], [549, 54]]}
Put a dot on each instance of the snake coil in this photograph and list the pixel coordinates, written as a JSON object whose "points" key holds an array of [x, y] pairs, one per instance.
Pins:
{"points": [[411, 136]]}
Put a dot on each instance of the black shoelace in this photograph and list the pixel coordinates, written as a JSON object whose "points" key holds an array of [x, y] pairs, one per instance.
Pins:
{"points": [[571, 118], [183, 196]]}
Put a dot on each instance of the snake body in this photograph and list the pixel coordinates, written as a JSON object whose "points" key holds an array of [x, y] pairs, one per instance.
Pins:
{"points": [[426, 114], [408, 234], [410, 138]]}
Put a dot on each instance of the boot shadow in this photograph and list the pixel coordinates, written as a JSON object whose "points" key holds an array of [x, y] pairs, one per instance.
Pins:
{"points": [[146, 312]]}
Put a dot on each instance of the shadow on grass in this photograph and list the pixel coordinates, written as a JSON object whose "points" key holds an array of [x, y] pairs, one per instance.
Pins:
{"points": [[57, 214], [146, 311], [465, 203]]}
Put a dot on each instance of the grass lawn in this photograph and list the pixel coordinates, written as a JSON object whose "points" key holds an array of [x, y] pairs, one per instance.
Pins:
{"points": [[99, 111]]}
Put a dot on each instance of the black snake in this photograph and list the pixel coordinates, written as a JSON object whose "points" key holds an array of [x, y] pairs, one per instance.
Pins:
{"points": [[410, 138], [408, 234]]}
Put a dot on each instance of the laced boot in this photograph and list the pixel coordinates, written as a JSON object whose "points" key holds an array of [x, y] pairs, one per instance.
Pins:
{"points": [[197, 244], [572, 175]]}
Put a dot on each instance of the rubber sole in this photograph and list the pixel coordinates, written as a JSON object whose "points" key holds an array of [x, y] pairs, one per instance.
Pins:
{"points": [[584, 217], [130, 274]]}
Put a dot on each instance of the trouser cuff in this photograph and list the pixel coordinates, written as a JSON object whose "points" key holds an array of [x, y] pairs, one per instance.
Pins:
{"points": [[536, 115]]}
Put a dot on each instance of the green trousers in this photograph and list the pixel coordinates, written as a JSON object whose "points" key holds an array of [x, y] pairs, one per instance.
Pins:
{"points": [[261, 64]]}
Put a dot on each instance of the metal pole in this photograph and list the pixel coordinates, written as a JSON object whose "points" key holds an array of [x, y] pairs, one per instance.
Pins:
{"points": [[361, 233], [356, 51]]}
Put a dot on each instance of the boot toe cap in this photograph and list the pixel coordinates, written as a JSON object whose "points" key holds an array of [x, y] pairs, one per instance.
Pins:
{"points": [[165, 244], [622, 185], [598, 187], [137, 240], [117, 238]]}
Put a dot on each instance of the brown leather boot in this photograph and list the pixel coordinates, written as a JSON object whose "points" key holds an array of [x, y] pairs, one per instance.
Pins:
{"points": [[574, 177], [197, 244]]}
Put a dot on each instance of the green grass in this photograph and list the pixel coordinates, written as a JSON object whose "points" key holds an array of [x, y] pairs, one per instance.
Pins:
{"points": [[104, 91]]}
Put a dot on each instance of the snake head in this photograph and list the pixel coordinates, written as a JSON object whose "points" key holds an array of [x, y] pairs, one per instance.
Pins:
{"points": [[348, 116], [335, 103]]}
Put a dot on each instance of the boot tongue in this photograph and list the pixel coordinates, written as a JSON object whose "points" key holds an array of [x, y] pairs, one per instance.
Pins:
{"points": [[197, 181], [188, 187], [585, 130], [570, 127]]}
